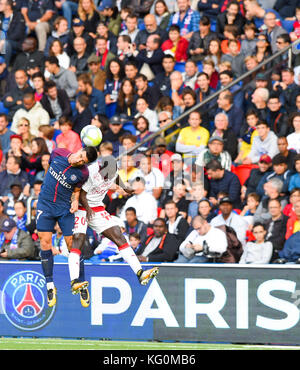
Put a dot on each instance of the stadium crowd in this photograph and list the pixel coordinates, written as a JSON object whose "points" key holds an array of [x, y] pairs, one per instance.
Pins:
{"points": [[220, 185]]}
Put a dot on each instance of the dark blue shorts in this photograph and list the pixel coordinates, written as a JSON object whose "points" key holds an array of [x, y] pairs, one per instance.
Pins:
{"points": [[48, 213]]}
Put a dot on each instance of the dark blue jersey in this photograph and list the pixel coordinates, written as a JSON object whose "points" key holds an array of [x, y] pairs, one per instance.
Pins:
{"points": [[61, 178]]}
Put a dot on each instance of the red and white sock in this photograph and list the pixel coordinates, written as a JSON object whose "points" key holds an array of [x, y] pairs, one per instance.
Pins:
{"points": [[130, 257], [74, 263]]}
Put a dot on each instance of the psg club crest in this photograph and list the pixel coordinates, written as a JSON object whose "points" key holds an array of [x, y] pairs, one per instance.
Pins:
{"points": [[24, 301]]}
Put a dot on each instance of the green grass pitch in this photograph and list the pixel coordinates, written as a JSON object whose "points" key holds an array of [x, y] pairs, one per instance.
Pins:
{"points": [[70, 344]]}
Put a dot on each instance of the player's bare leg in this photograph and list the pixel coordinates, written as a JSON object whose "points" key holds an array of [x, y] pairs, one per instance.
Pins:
{"points": [[115, 235], [47, 265], [76, 269]]}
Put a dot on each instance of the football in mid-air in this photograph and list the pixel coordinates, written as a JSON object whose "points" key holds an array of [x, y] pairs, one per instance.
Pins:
{"points": [[91, 135]]}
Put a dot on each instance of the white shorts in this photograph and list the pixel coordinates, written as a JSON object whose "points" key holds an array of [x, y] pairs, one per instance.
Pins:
{"points": [[100, 222]]}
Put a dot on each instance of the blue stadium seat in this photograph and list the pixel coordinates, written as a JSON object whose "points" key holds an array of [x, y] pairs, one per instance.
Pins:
{"points": [[110, 109], [130, 127], [3, 109], [179, 66]]}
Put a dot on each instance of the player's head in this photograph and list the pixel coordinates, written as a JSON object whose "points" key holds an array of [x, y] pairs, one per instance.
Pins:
{"points": [[83, 156]]}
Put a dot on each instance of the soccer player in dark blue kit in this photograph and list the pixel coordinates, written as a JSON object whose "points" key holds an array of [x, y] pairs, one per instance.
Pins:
{"points": [[58, 201]]}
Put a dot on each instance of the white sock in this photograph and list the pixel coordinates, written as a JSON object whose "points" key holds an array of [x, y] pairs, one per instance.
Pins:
{"points": [[50, 285], [130, 257], [73, 261]]}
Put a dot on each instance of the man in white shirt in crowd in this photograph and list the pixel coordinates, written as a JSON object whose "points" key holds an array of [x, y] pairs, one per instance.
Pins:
{"points": [[154, 178], [191, 249], [230, 218], [144, 203]]}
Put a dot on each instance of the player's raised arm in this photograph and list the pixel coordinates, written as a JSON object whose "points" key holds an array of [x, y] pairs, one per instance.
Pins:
{"points": [[127, 189]]}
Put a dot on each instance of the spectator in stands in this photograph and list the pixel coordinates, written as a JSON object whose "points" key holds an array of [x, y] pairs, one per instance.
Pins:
{"points": [[96, 97], [78, 59], [56, 49], [176, 223], [64, 78], [56, 102], [277, 118], [186, 18], [161, 246], [162, 80], [233, 16], [190, 74], [191, 249], [293, 221], [132, 29], [176, 44], [280, 170], [13, 100], [13, 26], [37, 15], [162, 13], [192, 140], [265, 142], [142, 126], [151, 28], [234, 114], [295, 178], [23, 130], [149, 59], [15, 243], [96, 74], [78, 30], [142, 109], [68, 138], [178, 195], [283, 150], [144, 90], [293, 138], [133, 225], [114, 133], [83, 116], [256, 174], [227, 134], [200, 40], [197, 193], [260, 250], [144, 203], [88, 13], [29, 54], [12, 174], [59, 33], [127, 97], [276, 226], [222, 180], [272, 29], [287, 89], [5, 134], [259, 100], [215, 150], [33, 111], [230, 218], [273, 190], [153, 177]]}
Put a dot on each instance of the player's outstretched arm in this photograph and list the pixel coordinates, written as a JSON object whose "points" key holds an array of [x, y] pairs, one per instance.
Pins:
{"points": [[127, 189]]}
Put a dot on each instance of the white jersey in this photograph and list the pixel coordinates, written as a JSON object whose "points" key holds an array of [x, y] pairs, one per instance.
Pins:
{"points": [[96, 186]]}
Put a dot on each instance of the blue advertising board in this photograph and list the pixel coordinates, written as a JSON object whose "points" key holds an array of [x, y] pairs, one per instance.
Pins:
{"points": [[185, 302]]}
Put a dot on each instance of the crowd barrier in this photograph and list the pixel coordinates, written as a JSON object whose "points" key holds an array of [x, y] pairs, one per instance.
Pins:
{"points": [[186, 302]]}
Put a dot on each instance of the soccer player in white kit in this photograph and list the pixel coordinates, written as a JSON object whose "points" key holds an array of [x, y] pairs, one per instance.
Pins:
{"points": [[102, 175]]}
